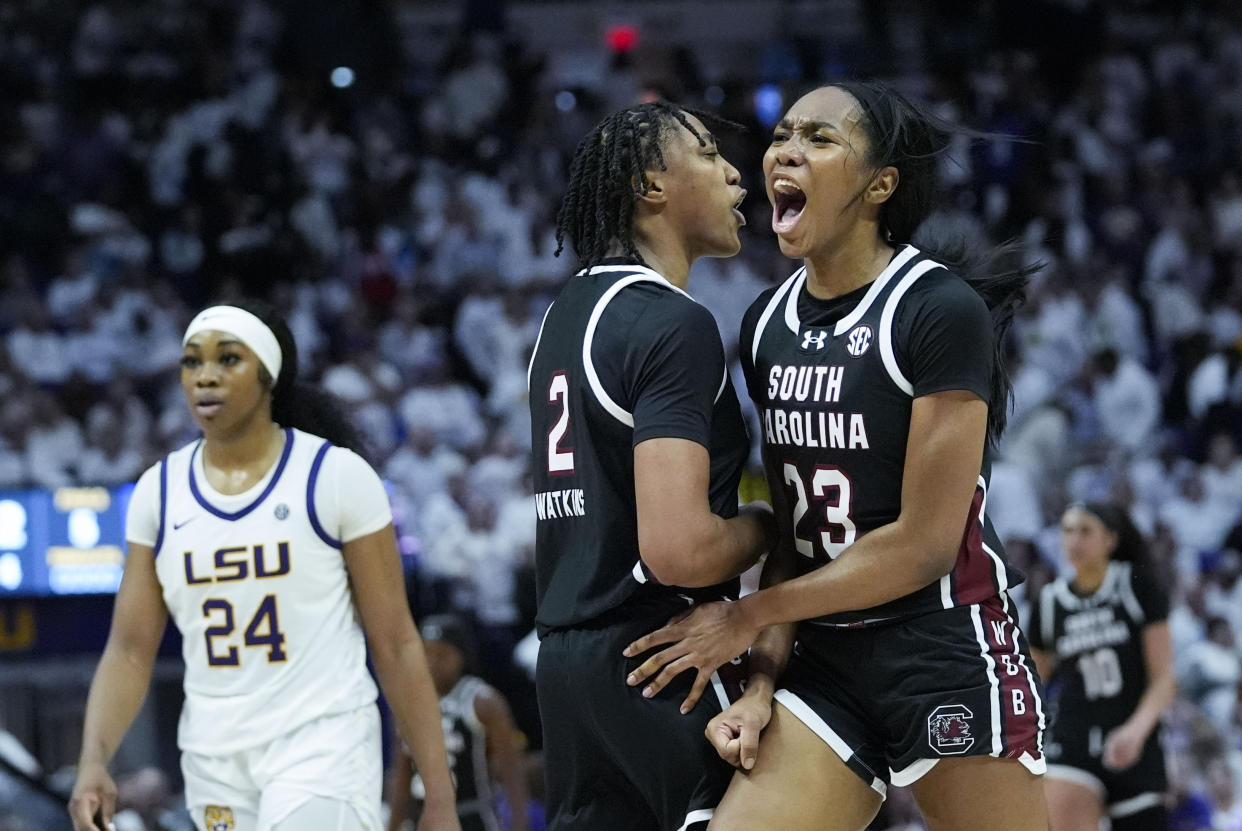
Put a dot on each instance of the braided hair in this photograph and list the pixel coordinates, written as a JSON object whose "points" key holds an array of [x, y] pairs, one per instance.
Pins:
{"points": [[609, 174]]}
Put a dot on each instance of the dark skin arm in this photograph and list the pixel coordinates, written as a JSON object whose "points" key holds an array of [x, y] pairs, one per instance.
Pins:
{"points": [[504, 755], [400, 801], [679, 538], [735, 731], [119, 686], [401, 664], [941, 472]]}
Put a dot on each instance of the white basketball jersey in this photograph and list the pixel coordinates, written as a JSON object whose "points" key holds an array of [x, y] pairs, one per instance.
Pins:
{"points": [[261, 596]]}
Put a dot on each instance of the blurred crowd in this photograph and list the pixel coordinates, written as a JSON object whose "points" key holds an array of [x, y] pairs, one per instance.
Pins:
{"points": [[158, 154]]}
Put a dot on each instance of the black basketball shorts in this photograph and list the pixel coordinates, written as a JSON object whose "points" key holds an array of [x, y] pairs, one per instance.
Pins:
{"points": [[894, 699], [616, 761], [1075, 750]]}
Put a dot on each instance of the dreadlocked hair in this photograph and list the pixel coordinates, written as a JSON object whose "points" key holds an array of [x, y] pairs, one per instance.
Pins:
{"points": [[609, 174]]}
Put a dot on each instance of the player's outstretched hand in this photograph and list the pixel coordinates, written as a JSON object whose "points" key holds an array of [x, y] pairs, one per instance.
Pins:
{"points": [[735, 732], [439, 817], [711, 635], [94, 799]]}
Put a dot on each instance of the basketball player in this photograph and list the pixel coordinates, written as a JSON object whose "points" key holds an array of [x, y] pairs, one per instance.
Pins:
{"points": [[876, 373], [1101, 637], [639, 445], [267, 541], [479, 733]]}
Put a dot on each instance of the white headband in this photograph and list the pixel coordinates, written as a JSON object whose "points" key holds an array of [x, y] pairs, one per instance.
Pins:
{"points": [[244, 326]]}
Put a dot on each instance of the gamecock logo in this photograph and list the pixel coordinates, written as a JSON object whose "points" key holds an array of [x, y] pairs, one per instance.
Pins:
{"points": [[948, 729]]}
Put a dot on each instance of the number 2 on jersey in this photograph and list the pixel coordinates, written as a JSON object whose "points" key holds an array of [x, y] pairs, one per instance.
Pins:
{"points": [[264, 619], [839, 531], [559, 460]]}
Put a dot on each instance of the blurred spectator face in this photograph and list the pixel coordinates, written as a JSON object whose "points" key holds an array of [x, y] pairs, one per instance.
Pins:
{"points": [[1087, 542], [1222, 451], [445, 662], [1219, 632]]}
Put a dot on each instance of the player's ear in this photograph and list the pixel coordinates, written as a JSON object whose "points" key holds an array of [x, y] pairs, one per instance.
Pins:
{"points": [[654, 193], [883, 185]]}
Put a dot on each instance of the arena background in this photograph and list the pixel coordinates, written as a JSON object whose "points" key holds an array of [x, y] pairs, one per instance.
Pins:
{"points": [[389, 174]]}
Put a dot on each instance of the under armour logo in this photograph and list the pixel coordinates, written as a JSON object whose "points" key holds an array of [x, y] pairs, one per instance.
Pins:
{"points": [[811, 338], [859, 339]]}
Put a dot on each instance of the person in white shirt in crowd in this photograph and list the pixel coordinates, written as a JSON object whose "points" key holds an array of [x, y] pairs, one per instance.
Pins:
{"points": [[108, 458], [1222, 472], [1210, 672], [1198, 524], [447, 407], [421, 466], [54, 442], [1127, 399]]}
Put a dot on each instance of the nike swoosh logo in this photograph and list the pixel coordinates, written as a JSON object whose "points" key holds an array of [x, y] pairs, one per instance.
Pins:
{"points": [[177, 525]]}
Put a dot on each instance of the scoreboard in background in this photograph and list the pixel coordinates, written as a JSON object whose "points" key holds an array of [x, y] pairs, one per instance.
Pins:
{"points": [[62, 542]]}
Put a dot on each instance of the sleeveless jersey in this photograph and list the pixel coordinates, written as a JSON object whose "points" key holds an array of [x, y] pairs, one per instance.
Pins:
{"points": [[261, 596], [586, 379], [465, 739], [834, 390], [1100, 674]]}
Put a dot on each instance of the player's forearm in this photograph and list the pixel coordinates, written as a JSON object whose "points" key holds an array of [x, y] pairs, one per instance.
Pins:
{"points": [[718, 549], [1156, 699], [514, 784], [117, 691], [886, 564], [770, 651], [403, 673]]}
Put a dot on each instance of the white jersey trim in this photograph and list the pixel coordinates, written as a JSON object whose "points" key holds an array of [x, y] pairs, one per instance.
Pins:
{"points": [[1078, 776], [1135, 804], [530, 366], [771, 308], [819, 727], [994, 702], [696, 816], [794, 323], [1125, 588], [1031, 684], [646, 275], [887, 354], [912, 772], [1002, 573]]}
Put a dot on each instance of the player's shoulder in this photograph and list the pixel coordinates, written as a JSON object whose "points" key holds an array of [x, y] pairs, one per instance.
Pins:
{"points": [[334, 457], [940, 280]]}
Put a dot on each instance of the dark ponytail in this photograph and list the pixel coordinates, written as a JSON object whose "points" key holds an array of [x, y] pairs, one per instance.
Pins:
{"points": [[1131, 544], [903, 136], [296, 403]]}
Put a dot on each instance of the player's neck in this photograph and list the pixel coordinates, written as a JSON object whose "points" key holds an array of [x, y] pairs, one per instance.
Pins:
{"points": [[841, 267], [1088, 580], [667, 257], [250, 450]]}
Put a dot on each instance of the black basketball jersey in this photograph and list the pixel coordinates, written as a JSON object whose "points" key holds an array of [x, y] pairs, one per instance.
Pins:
{"points": [[1097, 639], [834, 382], [623, 356], [465, 741]]}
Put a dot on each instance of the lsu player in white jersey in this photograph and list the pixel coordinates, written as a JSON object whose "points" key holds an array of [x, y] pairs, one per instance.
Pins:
{"points": [[270, 544]]}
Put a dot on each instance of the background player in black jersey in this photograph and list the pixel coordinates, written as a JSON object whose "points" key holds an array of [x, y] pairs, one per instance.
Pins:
{"points": [[1101, 637], [639, 445], [479, 734], [877, 375]]}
